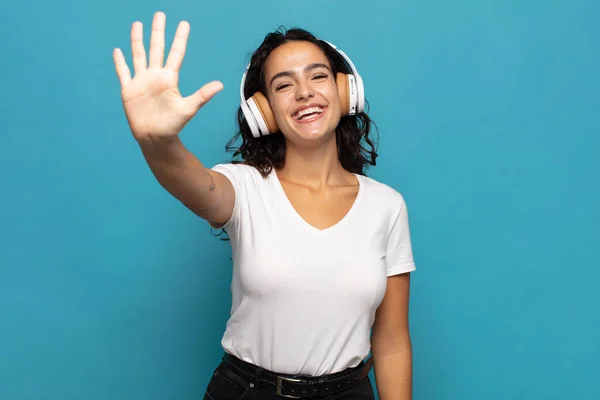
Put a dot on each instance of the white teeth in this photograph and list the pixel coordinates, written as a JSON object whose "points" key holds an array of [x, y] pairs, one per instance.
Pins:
{"points": [[309, 110]]}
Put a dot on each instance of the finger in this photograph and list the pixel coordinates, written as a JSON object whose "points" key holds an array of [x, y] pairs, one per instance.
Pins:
{"points": [[178, 47], [203, 95], [157, 40], [137, 47], [121, 67]]}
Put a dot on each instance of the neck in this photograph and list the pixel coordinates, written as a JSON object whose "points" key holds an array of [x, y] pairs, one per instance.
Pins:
{"points": [[316, 166]]}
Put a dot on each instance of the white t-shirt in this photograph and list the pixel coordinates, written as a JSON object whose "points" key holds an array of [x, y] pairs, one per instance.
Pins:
{"points": [[304, 299]]}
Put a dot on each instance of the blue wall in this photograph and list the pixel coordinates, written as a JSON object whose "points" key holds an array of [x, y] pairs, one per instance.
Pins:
{"points": [[489, 126]]}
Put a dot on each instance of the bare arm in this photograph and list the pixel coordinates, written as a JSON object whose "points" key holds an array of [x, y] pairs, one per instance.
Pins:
{"points": [[207, 193], [391, 344], [156, 113]]}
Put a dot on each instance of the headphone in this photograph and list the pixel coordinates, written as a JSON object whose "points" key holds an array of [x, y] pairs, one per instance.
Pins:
{"points": [[260, 118]]}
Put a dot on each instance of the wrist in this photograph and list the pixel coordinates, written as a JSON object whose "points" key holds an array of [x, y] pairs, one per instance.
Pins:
{"points": [[159, 143], [169, 150]]}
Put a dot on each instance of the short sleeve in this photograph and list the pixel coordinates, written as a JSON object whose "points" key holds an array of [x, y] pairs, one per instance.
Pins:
{"points": [[233, 172], [399, 255]]}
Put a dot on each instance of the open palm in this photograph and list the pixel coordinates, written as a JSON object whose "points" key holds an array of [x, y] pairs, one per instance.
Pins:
{"points": [[153, 104]]}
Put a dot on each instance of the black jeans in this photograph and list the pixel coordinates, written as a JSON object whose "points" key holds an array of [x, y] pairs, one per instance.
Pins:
{"points": [[227, 384]]}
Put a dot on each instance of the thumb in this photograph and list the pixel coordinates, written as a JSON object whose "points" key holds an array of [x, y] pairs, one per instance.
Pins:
{"points": [[203, 95]]}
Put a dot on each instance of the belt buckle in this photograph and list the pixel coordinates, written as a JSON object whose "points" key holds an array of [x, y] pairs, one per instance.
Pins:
{"points": [[280, 380]]}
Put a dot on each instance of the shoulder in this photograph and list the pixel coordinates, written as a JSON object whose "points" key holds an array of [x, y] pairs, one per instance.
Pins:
{"points": [[382, 194], [234, 167], [239, 173]]}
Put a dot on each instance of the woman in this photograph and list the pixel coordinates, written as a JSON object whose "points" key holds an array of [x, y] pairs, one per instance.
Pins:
{"points": [[321, 253]]}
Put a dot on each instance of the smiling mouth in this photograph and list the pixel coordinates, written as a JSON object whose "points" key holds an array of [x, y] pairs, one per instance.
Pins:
{"points": [[309, 113]]}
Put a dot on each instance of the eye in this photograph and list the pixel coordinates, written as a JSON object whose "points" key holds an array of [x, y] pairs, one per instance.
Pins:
{"points": [[282, 86], [320, 76]]}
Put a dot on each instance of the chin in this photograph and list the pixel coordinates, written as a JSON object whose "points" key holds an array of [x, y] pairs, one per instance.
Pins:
{"points": [[312, 136], [317, 131]]}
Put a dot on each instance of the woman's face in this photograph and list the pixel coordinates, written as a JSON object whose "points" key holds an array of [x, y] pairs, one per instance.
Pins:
{"points": [[302, 92]]}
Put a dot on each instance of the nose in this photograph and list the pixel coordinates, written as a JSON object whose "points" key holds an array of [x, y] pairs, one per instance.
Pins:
{"points": [[304, 90]]}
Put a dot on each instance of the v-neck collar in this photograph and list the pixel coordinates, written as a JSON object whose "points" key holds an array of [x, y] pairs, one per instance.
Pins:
{"points": [[295, 215]]}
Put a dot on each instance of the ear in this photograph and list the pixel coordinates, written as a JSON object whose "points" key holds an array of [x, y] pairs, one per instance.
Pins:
{"points": [[342, 85], [265, 110]]}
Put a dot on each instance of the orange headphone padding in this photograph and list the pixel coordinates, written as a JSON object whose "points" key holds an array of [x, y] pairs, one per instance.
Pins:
{"points": [[267, 114], [342, 85], [265, 110]]}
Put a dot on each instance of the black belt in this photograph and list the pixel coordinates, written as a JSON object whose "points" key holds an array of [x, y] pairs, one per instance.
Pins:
{"points": [[296, 386]]}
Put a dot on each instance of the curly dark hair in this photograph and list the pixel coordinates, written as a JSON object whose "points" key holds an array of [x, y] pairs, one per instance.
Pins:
{"points": [[356, 149]]}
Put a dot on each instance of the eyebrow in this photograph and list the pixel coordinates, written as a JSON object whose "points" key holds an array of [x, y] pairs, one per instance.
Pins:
{"points": [[292, 73]]}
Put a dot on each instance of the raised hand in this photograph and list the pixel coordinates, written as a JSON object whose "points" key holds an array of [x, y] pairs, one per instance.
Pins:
{"points": [[153, 104]]}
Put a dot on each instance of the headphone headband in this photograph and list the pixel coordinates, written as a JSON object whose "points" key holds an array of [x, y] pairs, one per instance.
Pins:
{"points": [[341, 52]]}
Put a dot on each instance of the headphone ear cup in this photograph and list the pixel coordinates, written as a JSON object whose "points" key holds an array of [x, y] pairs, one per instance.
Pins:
{"points": [[344, 92], [265, 112]]}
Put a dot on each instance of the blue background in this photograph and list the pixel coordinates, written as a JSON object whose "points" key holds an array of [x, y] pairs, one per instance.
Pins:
{"points": [[489, 126]]}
